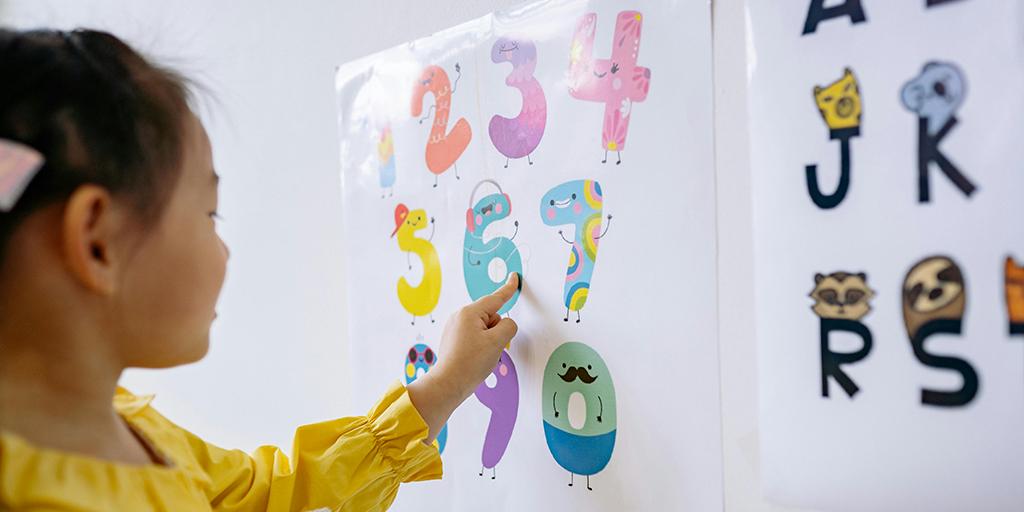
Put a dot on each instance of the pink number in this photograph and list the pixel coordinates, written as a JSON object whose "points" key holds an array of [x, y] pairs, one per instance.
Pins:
{"points": [[617, 82]]}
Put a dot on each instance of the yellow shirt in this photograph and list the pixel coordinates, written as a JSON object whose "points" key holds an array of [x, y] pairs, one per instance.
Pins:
{"points": [[345, 464]]}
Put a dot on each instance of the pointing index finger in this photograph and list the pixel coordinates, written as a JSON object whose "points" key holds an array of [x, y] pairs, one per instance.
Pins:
{"points": [[492, 303]]}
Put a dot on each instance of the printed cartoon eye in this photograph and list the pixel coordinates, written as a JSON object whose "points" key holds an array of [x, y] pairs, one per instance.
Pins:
{"points": [[940, 88], [949, 275], [589, 368], [552, 202], [914, 293], [827, 99], [935, 293], [574, 197], [412, 355], [829, 296], [563, 365], [854, 296], [429, 356]]}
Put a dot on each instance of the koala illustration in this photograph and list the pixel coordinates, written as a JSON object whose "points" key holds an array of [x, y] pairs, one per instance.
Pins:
{"points": [[935, 94]]}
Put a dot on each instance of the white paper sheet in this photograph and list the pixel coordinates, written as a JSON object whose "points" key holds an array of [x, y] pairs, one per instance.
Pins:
{"points": [[915, 434], [650, 309]]}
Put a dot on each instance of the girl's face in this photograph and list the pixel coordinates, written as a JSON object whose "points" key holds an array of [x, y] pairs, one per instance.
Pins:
{"points": [[170, 285]]}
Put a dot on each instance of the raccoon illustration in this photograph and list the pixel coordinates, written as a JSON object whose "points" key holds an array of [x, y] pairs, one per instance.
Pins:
{"points": [[841, 295]]}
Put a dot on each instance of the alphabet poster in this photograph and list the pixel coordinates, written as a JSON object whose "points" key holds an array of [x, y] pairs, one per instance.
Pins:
{"points": [[887, 181], [569, 141]]}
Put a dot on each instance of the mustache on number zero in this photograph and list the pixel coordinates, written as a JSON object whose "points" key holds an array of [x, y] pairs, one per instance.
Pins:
{"points": [[574, 373]]}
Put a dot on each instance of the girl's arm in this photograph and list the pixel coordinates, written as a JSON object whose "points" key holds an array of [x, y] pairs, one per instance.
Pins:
{"points": [[354, 463], [471, 344], [357, 463]]}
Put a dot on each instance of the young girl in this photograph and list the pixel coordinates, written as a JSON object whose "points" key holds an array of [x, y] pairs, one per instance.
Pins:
{"points": [[109, 259]]}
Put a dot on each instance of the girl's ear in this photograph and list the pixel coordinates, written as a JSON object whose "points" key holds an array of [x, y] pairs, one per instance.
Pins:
{"points": [[90, 224]]}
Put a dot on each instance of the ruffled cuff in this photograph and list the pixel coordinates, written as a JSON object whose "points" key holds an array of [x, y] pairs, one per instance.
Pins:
{"points": [[400, 431]]}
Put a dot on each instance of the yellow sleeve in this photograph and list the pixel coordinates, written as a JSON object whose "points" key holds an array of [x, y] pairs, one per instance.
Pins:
{"points": [[352, 463]]}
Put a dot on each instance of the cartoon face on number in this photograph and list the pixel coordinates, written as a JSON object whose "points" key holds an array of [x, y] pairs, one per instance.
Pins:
{"points": [[487, 263], [419, 360], [577, 203], [583, 446], [514, 50], [571, 202], [489, 209]]}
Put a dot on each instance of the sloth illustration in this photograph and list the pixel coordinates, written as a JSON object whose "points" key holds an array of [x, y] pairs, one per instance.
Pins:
{"points": [[841, 295], [932, 290]]}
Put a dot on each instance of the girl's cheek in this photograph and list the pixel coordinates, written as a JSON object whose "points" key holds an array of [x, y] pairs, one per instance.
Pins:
{"points": [[225, 251], [223, 255]]}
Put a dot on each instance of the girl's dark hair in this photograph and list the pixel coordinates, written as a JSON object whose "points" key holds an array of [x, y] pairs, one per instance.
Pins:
{"points": [[99, 113]]}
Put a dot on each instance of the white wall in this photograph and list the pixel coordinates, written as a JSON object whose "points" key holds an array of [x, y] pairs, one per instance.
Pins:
{"points": [[279, 354]]}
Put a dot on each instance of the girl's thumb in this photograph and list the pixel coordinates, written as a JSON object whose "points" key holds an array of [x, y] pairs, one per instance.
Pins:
{"points": [[503, 332]]}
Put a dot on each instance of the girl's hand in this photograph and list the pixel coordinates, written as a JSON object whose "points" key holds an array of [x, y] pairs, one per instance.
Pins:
{"points": [[471, 345]]}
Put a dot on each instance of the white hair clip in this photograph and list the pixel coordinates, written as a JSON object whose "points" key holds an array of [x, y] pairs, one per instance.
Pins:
{"points": [[18, 165]]}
